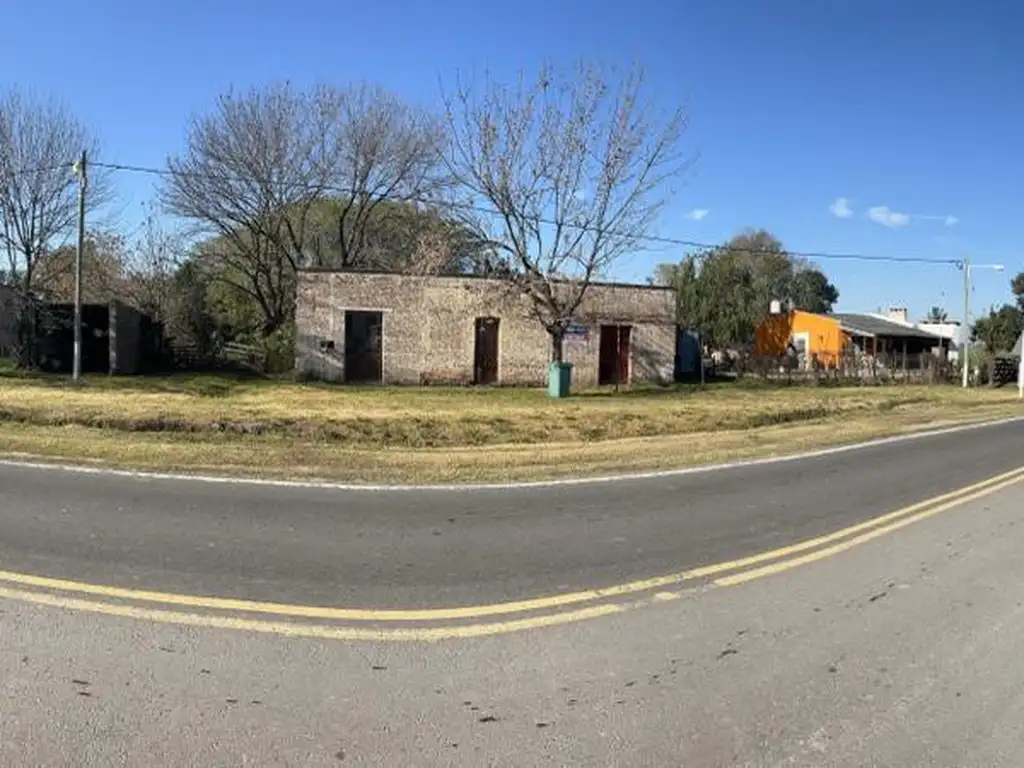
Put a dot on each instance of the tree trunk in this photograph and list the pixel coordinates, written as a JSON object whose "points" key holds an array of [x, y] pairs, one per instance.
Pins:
{"points": [[557, 339]]}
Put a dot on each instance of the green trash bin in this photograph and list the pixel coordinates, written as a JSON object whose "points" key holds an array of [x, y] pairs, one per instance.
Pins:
{"points": [[559, 379]]}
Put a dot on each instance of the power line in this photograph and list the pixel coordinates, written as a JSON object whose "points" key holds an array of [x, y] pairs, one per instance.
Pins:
{"points": [[42, 169], [658, 239]]}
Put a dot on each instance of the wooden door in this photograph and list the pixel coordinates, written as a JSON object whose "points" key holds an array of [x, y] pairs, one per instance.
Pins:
{"points": [[613, 355], [623, 354], [485, 357]]}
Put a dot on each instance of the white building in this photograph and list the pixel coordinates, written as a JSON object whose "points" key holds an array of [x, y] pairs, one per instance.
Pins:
{"points": [[951, 330]]}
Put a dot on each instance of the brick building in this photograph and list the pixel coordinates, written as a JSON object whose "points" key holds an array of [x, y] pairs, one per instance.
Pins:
{"points": [[401, 329]]}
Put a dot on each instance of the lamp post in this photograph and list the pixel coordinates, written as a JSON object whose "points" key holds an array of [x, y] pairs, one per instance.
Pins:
{"points": [[968, 268]]}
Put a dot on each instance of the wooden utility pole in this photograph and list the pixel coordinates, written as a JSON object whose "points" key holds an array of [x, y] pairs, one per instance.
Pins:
{"points": [[83, 183]]}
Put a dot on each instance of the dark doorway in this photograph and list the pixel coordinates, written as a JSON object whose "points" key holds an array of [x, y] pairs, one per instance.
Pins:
{"points": [[55, 339], [613, 360], [364, 347], [485, 357]]}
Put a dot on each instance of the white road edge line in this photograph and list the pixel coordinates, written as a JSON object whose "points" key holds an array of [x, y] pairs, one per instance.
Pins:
{"points": [[569, 481]]}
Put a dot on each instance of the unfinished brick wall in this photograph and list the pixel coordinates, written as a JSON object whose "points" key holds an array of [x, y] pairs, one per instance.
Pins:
{"points": [[429, 328]]}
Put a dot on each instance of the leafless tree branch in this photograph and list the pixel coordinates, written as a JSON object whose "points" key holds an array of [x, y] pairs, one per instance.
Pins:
{"points": [[150, 265], [577, 169], [39, 142], [256, 168], [252, 170], [386, 157]]}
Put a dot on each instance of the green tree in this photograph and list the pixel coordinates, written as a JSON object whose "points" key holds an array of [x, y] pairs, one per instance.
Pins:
{"points": [[727, 291], [395, 237], [1017, 285], [811, 291], [999, 330], [936, 315], [190, 321]]}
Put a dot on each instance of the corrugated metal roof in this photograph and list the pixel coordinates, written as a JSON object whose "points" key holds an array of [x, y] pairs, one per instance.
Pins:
{"points": [[869, 325]]}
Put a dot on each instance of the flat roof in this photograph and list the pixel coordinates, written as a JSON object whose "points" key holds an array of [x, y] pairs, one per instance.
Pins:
{"points": [[385, 273]]}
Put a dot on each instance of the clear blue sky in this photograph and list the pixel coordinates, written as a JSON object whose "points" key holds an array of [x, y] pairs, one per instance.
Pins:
{"points": [[909, 107]]}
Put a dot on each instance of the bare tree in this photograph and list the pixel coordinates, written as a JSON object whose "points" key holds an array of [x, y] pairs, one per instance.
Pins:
{"points": [[39, 142], [150, 267], [249, 176], [386, 157], [257, 167], [576, 172]]}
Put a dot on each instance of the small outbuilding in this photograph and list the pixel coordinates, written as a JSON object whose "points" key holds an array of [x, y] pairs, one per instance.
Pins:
{"points": [[116, 338], [362, 327]]}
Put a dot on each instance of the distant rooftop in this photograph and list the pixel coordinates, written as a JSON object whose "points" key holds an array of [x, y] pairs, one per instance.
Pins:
{"points": [[872, 325]]}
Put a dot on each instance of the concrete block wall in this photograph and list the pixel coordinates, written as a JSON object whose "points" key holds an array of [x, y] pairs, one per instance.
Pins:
{"points": [[429, 328]]}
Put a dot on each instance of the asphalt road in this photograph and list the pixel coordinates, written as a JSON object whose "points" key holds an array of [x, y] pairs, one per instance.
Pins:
{"points": [[903, 651], [430, 548]]}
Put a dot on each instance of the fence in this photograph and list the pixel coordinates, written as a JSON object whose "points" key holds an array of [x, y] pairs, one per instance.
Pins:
{"points": [[229, 354], [924, 368]]}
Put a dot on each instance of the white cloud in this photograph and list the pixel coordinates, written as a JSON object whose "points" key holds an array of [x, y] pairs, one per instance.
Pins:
{"points": [[697, 214], [949, 221], [881, 214], [841, 208]]}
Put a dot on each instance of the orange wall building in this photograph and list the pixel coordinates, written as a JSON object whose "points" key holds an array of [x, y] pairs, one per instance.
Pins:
{"points": [[817, 336], [826, 338]]}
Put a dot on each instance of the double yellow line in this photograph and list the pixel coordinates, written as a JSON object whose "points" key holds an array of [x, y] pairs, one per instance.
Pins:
{"points": [[379, 625]]}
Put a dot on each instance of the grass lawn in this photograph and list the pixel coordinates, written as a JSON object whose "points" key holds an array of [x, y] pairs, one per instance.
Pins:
{"points": [[268, 428]]}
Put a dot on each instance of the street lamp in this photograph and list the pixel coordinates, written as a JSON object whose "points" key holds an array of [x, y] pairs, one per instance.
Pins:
{"points": [[968, 267]]}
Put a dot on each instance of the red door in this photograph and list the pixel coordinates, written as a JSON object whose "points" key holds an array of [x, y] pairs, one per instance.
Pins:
{"points": [[613, 355], [624, 334]]}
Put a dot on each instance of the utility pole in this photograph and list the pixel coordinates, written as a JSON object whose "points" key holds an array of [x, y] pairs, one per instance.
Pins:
{"points": [[967, 267], [83, 183], [966, 336]]}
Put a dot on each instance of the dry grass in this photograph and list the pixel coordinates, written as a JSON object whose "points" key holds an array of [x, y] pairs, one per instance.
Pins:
{"points": [[267, 428]]}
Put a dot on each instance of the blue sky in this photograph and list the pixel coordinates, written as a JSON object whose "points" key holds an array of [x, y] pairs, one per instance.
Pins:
{"points": [[907, 107]]}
